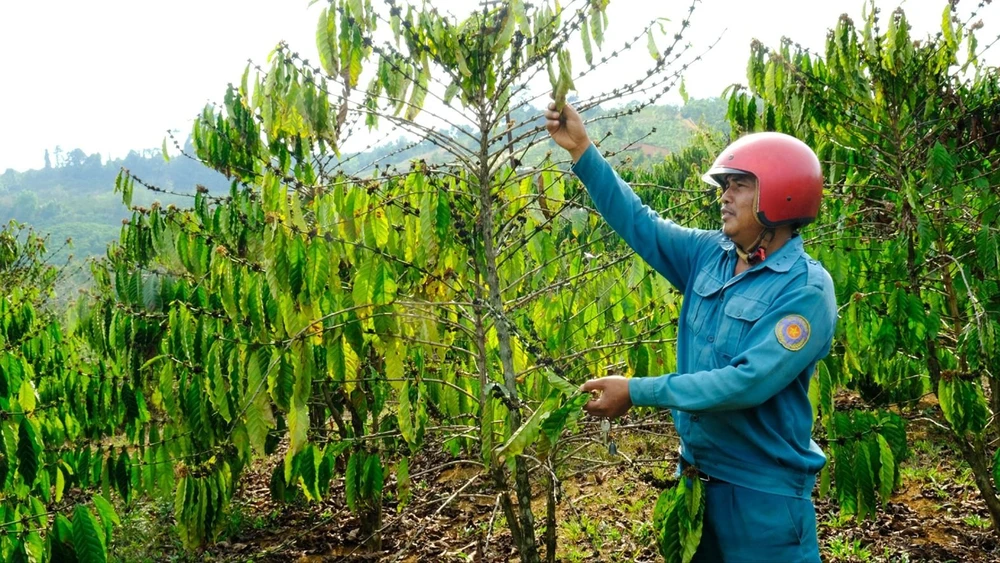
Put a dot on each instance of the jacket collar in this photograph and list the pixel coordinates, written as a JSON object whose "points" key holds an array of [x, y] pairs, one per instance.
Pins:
{"points": [[781, 261]]}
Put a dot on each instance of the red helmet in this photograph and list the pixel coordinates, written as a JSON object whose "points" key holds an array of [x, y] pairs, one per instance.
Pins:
{"points": [[789, 179]]}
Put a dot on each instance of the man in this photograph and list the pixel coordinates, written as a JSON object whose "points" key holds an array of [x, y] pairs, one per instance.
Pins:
{"points": [[758, 314]]}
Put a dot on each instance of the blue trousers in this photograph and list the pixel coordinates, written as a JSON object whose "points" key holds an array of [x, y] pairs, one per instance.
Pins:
{"points": [[746, 525]]}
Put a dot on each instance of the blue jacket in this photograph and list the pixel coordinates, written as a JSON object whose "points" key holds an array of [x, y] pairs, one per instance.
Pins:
{"points": [[747, 344]]}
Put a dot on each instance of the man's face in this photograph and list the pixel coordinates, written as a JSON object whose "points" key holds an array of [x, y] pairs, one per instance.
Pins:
{"points": [[738, 220]]}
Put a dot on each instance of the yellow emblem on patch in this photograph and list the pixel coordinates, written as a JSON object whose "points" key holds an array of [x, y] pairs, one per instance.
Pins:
{"points": [[792, 332]]}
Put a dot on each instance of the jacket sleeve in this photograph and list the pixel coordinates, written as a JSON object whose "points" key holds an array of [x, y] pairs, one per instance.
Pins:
{"points": [[760, 371], [666, 246]]}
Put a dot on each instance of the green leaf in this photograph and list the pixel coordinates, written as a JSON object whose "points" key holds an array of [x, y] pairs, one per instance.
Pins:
{"points": [[259, 417], [692, 510], [824, 482], [60, 484], [61, 541], [668, 536], [351, 479], [565, 83], [374, 479], [843, 474], [866, 482], [384, 285], [107, 514], [678, 520], [569, 412], [318, 268], [947, 402], [122, 475], [664, 503], [974, 404], [165, 473], [88, 540], [308, 474], [528, 432], [296, 255], [277, 485], [194, 410], [28, 451], [814, 396], [356, 10], [220, 392], [887, 468], [18, 553], [325, 471], [560, 383], [281, 381], [403, 414]]}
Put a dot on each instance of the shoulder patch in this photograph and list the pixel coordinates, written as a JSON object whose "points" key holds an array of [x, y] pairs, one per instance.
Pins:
{"points": [[792, 332]]}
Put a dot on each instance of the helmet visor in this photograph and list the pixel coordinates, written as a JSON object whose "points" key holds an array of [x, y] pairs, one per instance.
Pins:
{"points": [[716, 176]]}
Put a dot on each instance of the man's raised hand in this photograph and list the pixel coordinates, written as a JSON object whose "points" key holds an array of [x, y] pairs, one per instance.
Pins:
{"points": [[567, 130]]}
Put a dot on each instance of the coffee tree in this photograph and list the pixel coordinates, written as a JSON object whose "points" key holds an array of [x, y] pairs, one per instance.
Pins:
{"points": [[48, 445], [343, 320], [907, 129]]}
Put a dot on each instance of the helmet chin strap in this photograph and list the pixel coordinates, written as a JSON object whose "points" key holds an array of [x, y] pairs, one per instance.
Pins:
{"points": [[757, 252]]}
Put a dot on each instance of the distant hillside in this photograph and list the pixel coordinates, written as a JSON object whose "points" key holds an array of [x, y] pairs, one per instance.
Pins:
{"points": [[650, 134], [74, 198]]}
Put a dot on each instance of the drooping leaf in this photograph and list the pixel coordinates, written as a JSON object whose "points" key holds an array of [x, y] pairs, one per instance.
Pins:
{"points": [[887, 468], [651, 46], [88, 539], [351, 479], [374, 478], [107, 513], [28, 451], [403, 492], [61, 540], [528, 432], [588, 53], [571, 410], [308, 472]]}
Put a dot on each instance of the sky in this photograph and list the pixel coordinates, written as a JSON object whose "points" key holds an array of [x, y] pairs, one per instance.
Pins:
{"points": [[108, 76]]}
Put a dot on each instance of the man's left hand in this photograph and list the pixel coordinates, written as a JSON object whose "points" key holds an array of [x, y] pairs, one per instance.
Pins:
{"points": [[614, 399]]}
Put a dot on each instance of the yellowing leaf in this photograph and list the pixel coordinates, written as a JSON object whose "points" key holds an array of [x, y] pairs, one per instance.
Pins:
{"points": [[298, 427], [651, 45], [394, 364], [26, 395], [326, 41]]}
